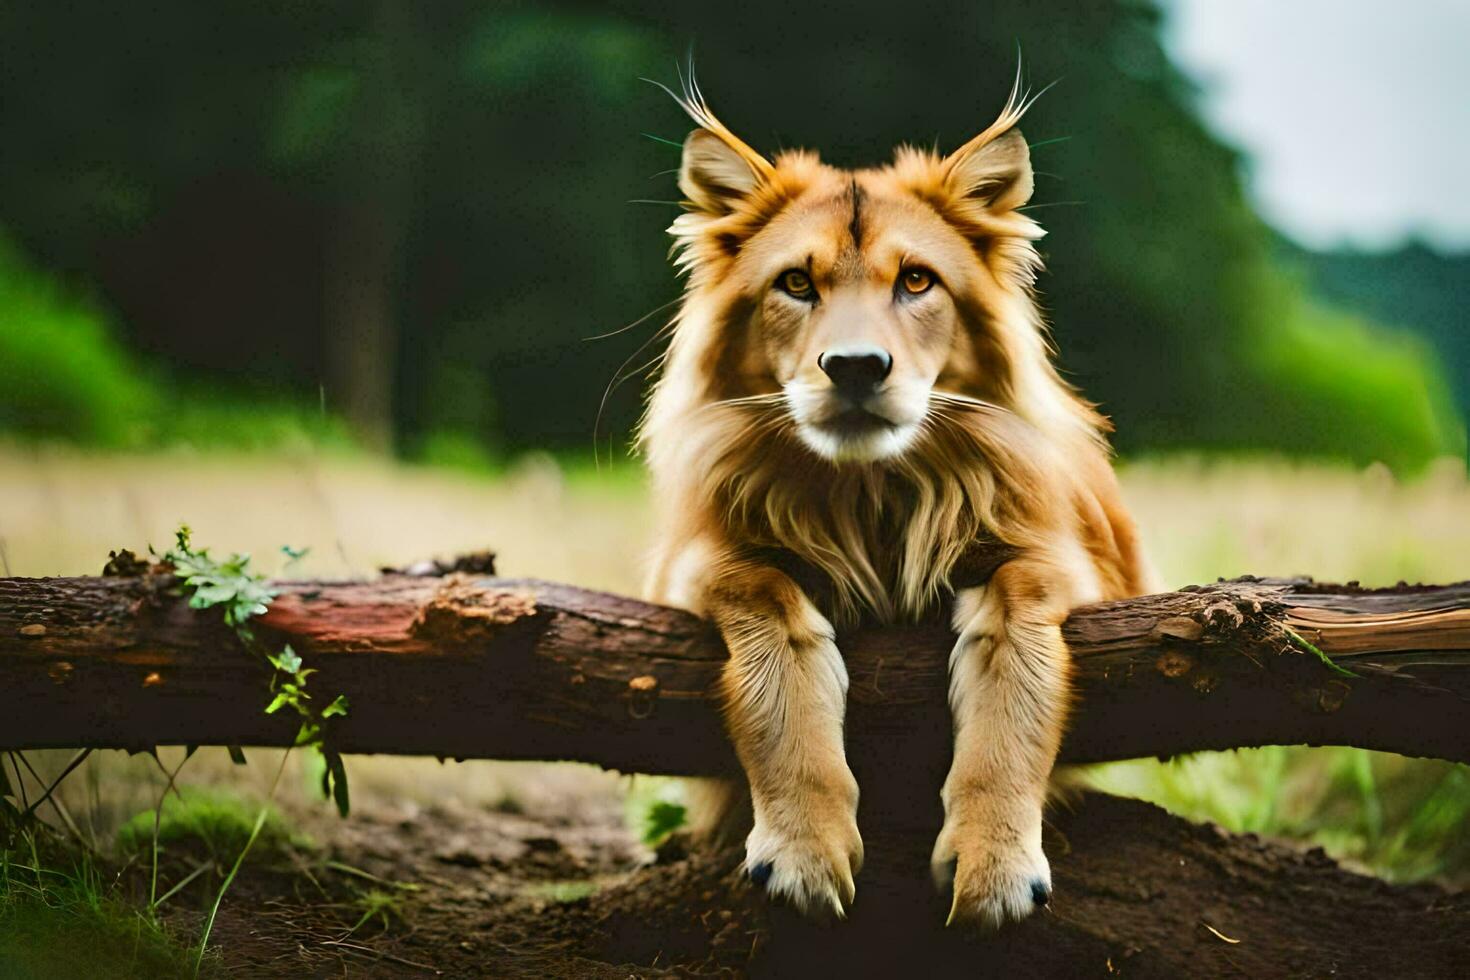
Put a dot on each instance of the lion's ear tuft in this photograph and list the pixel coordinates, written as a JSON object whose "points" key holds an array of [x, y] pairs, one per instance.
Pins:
{"points": [[997, 173], [714, 176]]}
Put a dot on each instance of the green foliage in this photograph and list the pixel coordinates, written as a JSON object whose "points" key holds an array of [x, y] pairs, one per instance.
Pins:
{"points": [[241, 593], [1399, 818], [62, 372], [1353, 389], [229, 585], [459, 451], [292, 689], [654, 808], [1415, 287], [65, 374], [61, 920], [662, 819], [334, 780], [214, 821]]}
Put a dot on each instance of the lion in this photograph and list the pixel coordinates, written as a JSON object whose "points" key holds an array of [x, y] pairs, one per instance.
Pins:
{"points": [[858, 421]]}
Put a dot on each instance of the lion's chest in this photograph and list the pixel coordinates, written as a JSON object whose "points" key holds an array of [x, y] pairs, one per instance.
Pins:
{"points": [[889, 570]]}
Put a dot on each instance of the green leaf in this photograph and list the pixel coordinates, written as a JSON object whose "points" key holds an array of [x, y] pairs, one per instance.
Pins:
{"points": [[339, 787], [336, 708], [212, 595], [287, 660], [277, 703], [293, 555], [240, 612], [308, 733]]}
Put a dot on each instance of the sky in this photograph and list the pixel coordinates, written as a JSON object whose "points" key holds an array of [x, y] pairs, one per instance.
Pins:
{"points": [[1355, 114]]}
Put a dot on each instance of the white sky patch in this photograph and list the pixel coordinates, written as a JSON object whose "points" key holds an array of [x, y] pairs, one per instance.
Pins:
{"points": [[1355, 114]]}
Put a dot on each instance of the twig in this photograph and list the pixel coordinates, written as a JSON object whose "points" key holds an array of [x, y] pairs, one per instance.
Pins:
{"points": [[378, 954], [203, 867], [61, 811], [158, 816], [20, 783], [76, 760]]}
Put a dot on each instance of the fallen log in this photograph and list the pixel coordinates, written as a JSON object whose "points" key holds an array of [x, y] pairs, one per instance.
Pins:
{"points": [[467, 666]]}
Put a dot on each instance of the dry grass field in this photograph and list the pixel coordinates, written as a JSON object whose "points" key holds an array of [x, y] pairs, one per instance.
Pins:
{"points": [[62, 510]]}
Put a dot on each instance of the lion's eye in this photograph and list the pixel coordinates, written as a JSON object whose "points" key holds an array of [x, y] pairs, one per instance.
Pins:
{"points": [[796, 283], [916, 280]]}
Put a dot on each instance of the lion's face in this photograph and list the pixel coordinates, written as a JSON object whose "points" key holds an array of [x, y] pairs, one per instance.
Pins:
{"points": [[857, 292], [866, 304]]}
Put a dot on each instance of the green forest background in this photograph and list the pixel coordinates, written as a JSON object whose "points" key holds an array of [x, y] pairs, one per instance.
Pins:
{"points": [[396, 225]]}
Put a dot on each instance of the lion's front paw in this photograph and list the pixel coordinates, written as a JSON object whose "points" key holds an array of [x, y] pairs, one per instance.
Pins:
{"points": [[810, 863], [994, 881]]}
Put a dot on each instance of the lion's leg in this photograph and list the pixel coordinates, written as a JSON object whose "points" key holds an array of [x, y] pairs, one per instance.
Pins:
{"points": [[1009, 694], [785, 688]]}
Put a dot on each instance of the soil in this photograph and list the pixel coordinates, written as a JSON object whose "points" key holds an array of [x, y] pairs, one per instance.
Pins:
{"points": [[514, 892]]}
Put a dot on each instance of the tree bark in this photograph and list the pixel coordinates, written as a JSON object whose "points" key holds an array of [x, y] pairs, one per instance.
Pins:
{"points": [[466, 666]]}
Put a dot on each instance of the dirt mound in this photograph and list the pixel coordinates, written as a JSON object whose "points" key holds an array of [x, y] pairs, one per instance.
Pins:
{"points": [[1139, 893]]}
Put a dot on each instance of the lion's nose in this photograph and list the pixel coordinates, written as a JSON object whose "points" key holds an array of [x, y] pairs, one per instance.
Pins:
{"points": [[856, 370]]}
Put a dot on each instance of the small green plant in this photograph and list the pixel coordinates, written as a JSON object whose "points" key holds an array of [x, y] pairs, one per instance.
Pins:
{"points": [[378, 905], [289, 686], [241, 593], [229, 585], [216, 822], [654, 808], [661, 820]]}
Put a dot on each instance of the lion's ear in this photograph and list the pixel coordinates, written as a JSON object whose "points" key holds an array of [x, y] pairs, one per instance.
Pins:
{"points": [[996, 173], [714, 175]]}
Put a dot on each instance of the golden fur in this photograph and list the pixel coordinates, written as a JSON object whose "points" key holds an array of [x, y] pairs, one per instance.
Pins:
{"points": [[971, 472]]}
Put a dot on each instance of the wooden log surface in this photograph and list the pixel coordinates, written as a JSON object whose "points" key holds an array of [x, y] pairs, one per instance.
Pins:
{"points": [[461, 665]]}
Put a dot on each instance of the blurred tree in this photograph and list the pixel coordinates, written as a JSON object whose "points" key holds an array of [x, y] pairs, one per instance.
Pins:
{"points": [[1415, 285], [375, 165], [426, 209]]}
